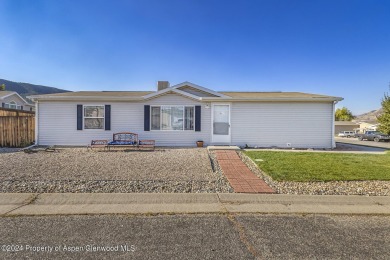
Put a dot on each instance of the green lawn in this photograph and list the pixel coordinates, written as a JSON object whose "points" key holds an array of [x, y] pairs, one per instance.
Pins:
{"points": [[311, 166]]}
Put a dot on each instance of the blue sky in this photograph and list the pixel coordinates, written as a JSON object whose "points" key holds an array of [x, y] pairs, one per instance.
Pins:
{"points": [[339, 48]]}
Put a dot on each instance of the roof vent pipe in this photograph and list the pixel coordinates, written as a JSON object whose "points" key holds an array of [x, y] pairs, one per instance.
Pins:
{"points": [[162, 85]]}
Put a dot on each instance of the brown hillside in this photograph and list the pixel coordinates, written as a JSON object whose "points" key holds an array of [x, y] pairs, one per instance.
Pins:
{"points": [[369, 116]]}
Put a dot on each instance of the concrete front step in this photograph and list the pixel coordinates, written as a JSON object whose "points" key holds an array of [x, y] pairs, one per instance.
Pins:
{"points": [[223, 147]]}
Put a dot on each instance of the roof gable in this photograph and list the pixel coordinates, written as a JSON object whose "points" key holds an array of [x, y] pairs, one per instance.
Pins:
{"points": [[196, 92], [171, 91], [200, 88], [7, 94], [189, 90]]}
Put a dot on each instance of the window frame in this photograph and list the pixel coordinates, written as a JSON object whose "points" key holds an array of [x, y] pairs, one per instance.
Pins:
{"points": [[12, 103], [104, 117], [171, 130]]}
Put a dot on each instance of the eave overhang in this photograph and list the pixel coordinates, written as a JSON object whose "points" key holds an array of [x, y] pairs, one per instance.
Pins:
{"points": [[84, 98], [276, 99]]}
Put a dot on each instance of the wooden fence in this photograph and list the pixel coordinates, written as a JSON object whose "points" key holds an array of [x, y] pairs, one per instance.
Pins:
{"points": [[17, 128], [14, 112]]}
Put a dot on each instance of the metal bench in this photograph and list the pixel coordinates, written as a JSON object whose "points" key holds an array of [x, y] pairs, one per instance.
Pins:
{"points": [[128, 139], [124, 139]]}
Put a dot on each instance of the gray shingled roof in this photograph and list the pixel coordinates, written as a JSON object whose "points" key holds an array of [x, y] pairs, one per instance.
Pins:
{"points": [[272, 95], [136, 94], [5, 93], [100, 94], [345, 123]]}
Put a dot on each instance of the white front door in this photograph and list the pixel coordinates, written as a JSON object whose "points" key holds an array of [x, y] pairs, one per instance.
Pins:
{"points": [[220, 123]]}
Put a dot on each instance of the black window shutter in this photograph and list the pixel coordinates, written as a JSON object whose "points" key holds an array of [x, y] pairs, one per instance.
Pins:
{"points": [[2, 104], [146, 118], [21, 107], [79, 117], [197, 118], [107, 117]]}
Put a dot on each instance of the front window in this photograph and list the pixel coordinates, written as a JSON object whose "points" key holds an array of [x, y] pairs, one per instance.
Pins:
{"points": [[155, 120], [171, 118], [177, 118], [189, 115], [12, 105], [93, 117]]}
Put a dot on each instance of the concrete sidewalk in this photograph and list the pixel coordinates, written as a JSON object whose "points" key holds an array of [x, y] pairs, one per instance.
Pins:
{"points": [[13, 204]]}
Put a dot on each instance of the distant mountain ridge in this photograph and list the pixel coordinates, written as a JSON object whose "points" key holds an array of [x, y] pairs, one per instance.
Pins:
{"points": [[27, 89], [369, 116]]}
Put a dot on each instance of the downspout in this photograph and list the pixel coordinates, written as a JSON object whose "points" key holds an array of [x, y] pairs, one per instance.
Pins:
{"points": [[36, 130], [36, 122], [333, 119]]}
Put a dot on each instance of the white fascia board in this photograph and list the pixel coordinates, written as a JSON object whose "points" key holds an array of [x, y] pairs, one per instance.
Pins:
{"points": [[186, 83], [177, 91], [84, 98], [330, 99], [157, 93]]}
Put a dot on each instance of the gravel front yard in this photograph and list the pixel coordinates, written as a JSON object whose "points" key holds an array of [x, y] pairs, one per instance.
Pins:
{"points": [[163, 170], [79, 170]]}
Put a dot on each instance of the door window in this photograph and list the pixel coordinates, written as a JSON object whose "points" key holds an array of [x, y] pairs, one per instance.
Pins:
{"points": [[221, 120]]}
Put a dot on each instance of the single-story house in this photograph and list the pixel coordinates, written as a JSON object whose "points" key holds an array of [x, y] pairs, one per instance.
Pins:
{"points": [[185, 113], [341, 126], [12, 100]]}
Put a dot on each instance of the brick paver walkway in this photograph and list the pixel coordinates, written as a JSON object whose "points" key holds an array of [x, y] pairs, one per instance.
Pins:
{"points": [[238, 174]]}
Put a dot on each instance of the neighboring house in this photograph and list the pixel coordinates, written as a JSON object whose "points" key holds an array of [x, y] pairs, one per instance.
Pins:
{"points": [[12, 100], [341, 126], [185, 113], [368, 126]]}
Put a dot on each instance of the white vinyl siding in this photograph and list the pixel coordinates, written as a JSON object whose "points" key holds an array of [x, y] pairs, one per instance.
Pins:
{"points": [[267, 124], [263, 124], [58, 123]]}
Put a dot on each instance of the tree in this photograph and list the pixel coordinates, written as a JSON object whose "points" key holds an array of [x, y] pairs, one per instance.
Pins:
{"points": [[2, 87], [384, 118], [343, 114]]}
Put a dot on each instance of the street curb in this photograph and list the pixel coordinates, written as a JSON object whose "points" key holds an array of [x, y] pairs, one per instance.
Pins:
{"points": [[21, 204]]}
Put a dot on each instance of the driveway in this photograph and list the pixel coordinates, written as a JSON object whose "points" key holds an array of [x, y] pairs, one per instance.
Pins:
{"points": [[355, 141]]}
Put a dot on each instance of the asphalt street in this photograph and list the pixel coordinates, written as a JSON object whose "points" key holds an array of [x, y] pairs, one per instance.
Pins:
{"points": [[197, 236], [365, 143]]}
